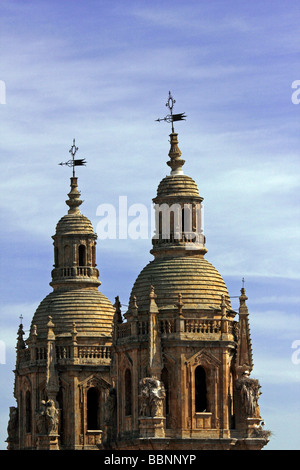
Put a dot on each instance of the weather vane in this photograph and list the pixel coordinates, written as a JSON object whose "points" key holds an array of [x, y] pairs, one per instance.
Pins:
{"points": [[72, 163], [172, 117]]}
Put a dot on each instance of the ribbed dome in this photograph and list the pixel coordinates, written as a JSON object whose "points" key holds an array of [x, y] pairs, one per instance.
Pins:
{"points": [[89, 308], [195, 278], [177, 185], [74, 223]]}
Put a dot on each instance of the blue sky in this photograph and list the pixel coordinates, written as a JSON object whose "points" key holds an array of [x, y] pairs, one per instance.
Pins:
{"points": [[100, 71]]}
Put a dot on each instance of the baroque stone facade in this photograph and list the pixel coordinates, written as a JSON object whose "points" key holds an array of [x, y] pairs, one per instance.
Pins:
{"points": [[173, 373]]}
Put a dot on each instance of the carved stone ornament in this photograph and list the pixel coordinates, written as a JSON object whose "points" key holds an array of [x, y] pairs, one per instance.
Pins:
{"points": [[151, 397], [12, 428], [47, 418], [249, 390], [110, 408]]}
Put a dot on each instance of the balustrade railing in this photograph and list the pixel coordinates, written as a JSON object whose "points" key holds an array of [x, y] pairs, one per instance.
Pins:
{"points": [[73, 271], [69, 353], [94, 352], [202, 326]]}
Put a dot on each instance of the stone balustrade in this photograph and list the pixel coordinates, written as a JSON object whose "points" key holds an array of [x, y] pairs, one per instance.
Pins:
{"points": [[186, 327], [75, 271], [77, 354]]}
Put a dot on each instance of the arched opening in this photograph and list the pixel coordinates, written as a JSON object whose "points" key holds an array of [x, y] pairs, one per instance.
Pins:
{"points": [[230, 402], [128, 393], [200, 390], [28, 411], [93, 408], [56, 263], [182, 222], [165, 381], [67, 257], [81, 255], [172, 225], [160, 224], [59, 399], [94, 255]]}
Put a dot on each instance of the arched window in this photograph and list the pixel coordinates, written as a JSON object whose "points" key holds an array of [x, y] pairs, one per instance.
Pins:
{"points": [[93, 408], [165, 381], [172, 225], [67, 260], [128, 393], [28, 411], [56, 257], [59, 399], [93, 255], [200, 390], [160, 224], [230, 402], [81, 255]]}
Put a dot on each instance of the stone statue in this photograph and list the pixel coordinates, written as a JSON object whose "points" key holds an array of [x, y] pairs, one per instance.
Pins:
{"points": [[151, 397], [47, 418], [110, 407], [12, 428], [249, 390]]}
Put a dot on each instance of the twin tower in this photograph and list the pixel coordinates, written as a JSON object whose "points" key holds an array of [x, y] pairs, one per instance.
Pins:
{"points": [[172, 373]]}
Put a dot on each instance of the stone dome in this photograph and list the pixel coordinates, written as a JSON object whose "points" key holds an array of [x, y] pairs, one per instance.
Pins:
{"points": [[74, 223], [195, 278], [88, 308], [178, 185]]}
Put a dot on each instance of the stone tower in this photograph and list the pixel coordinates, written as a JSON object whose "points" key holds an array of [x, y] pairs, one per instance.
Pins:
{"points": [[181, 360], [62, 374]]}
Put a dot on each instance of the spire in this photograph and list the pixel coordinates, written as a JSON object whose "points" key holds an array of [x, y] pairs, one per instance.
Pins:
{"points": [[244, 360]]}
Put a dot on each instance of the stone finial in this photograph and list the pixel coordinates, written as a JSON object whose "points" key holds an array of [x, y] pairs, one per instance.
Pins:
{"points": [[134, 306], [223, 306], [118, 313], [152, 296], [179, 304], [74, 332], [74, 202], [176, 163], [243, 307], [50, 326], [34, 333], [20, 341]]}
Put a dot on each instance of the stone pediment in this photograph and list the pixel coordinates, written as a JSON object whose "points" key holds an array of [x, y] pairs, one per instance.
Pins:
{"points": [[204, 358]]}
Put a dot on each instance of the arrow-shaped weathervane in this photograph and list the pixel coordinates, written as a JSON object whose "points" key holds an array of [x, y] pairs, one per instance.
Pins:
{"points": [[172, 117], [72, 163]]}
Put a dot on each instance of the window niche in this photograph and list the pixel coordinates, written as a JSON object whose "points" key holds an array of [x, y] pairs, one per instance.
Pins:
{"points": [[200, 390], [93, 421], [128, 393]]}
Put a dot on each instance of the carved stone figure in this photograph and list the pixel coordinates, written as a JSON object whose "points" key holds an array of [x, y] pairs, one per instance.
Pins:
{"points": [[110, 407], [12, 428], [249, 390], [47, 419], [151, 397]]}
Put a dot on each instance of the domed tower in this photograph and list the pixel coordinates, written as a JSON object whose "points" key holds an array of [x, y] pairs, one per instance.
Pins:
{"points": [[181, 361], [62, 370]]}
